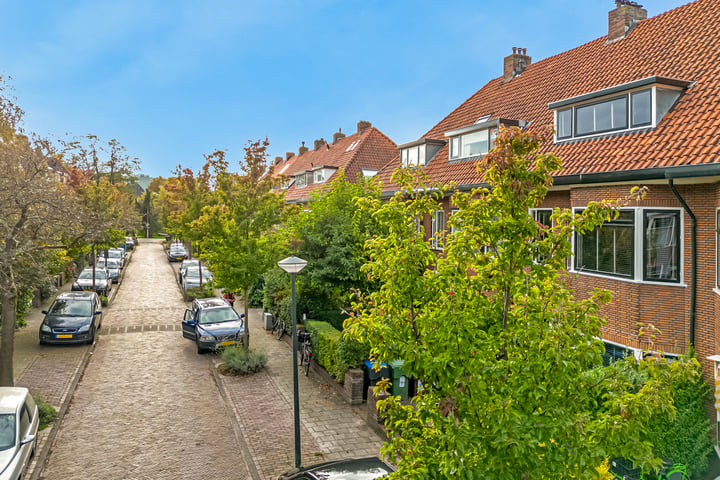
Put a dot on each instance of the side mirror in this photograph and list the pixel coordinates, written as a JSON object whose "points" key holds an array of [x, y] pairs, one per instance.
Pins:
{"points": [[99, 312], [44, 312], [242, 315], [27, 439]]}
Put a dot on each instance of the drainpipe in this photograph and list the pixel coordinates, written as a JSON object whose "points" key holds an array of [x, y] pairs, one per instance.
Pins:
{"points": [[693, 254]]}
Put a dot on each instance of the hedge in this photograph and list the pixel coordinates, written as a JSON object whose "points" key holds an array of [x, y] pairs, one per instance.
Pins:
{"points": [[334, 352]]}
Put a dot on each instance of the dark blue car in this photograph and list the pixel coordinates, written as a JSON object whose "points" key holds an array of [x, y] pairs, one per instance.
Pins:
{"points": [[213, 324], [74, 317]]}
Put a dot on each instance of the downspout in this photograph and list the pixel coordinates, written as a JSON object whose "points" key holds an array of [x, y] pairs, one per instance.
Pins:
{"points": [[693, 254]]}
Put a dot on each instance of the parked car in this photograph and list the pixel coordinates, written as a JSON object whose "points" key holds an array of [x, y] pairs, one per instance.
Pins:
{"points": [[353, 469], [213, 324], [184, 266], [191, 277], [129, 243], [177, 252], [113, 267], [84, 281], [115, 253], [19, 420], [73, 317]]}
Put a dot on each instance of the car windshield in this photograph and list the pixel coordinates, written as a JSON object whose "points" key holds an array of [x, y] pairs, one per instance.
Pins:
{"points": [[177, 249], [7, 430], [88, 274], [114, 254], [218, 315], [71, 308], [194, 272]]}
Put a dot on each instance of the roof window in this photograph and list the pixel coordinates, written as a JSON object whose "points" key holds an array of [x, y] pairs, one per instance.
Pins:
{"points": [[419, 152], [475, 140], [631, 106]]}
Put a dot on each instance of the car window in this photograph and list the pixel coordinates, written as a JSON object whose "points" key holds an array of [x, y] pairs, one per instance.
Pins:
{"points": [[24, 421], [70, 308], [7, 431], [87, 274], [218, 315]]}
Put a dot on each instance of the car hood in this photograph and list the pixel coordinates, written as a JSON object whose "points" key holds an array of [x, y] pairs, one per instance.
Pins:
{"points": [[6, 457], [66, 321], [221, 328]]}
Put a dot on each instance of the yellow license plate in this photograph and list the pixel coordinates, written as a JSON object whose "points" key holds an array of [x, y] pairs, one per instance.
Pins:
{"points": [[64, 336], [229, 342]]}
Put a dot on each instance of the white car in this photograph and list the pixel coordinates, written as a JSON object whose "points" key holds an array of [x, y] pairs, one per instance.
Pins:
{"points": [[19, 422]]}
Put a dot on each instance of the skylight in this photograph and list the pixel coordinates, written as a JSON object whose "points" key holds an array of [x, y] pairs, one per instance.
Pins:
{"points": [[352, 145]]}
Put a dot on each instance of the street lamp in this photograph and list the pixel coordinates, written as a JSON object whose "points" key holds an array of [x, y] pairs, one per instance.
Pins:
{"points": [[293, 265]]}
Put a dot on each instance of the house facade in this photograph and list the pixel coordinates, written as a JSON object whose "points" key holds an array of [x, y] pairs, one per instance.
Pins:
{"points": [[639, 106], [362, 154]]}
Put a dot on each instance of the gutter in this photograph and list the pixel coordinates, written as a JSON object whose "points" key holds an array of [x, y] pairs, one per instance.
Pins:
{"points": [[693, 253]]}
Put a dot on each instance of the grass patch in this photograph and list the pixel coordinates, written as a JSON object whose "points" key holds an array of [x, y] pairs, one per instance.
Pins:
{"points": [[46, 411], [239, 361]]}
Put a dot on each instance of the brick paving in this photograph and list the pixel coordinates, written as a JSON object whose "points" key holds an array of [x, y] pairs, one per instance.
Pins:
{"points": [[148, 406]]}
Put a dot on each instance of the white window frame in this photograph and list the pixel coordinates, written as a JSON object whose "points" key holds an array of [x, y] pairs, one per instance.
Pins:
{"points": [[301, 180], [420, 154], [639, 249], [437, 229], [456, 144]]}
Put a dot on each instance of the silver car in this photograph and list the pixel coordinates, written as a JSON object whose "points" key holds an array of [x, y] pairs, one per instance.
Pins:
{"points": [[19, 422]]}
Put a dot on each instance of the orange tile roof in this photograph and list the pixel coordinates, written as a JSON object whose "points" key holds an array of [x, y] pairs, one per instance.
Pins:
{"points": [[372, 151], [681, 44]]}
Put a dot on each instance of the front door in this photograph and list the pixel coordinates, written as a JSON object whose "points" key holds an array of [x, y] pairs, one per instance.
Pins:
{"points": [[188, 325]]}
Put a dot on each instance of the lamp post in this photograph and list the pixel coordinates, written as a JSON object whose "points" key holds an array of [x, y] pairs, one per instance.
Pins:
{"points": [[293, 265]]}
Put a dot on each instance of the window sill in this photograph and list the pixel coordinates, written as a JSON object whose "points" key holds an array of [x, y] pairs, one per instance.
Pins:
{"points": [[630, 280]]}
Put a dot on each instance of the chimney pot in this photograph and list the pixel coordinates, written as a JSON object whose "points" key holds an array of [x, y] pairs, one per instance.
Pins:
{"points": [[363, 125], [515, 64], [302, 149], [319, 143]]}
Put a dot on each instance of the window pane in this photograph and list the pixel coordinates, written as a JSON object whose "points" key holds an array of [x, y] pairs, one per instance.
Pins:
{"points": [[585, 120], [619, 113], [421, 154], [564, 126], [609, 249], [661, 246], [404, 156], [586, 251], [455, 147], [475, 143], [641, 108], [603, 116], [412, 156]]}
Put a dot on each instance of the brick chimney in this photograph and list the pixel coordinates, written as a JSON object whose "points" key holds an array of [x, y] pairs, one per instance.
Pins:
{"points": [[302, 149], [319, 143], [338, 135], [363, 125], [515, 64], [278, 160], [625, 16], [289, 155]]}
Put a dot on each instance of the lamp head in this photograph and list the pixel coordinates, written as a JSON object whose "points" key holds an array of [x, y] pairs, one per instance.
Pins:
{"points": [[292, 264]]}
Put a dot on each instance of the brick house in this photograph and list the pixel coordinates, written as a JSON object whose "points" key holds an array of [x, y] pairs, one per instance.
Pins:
{"points": [[363, 153], [640, 106]]}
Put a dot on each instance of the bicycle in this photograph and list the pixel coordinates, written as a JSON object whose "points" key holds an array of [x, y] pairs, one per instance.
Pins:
{"points": [[278, 328], [623, 469], [305, 352]]}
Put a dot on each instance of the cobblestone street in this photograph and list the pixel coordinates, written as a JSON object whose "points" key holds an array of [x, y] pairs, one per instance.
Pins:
{"points": [[148, 406]]}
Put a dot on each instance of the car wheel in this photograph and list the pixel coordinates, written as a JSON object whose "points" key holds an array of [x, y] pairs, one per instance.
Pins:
{"points": [[200, 350], [92, 337]]}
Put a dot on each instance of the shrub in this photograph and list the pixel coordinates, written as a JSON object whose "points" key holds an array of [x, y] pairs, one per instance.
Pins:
{"points": [[193, 293], [46, 411], [255, 298], [277, 288], [104, 300], [239, 361], [334, 352]]}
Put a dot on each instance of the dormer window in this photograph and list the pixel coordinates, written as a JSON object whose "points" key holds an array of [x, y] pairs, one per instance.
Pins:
{"points": [[475, 140], [321, 175], [303, 179], [419, 152], [630, 106]]}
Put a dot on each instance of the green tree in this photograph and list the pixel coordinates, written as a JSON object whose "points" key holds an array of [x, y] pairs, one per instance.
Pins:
{"points": [[331, 234], [239, 232], [503, 349]]}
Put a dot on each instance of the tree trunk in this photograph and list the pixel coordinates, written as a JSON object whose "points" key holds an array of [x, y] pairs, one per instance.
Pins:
{"points": [[7, 344], [246, 302]]}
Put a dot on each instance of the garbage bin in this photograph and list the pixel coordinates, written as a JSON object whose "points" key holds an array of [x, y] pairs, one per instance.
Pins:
{"points": [[372, 376], [400, 383], [268, 321]]}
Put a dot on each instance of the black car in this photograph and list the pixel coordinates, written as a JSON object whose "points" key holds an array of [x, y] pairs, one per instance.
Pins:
{"points": [[213, 324], [177, 253], [353, 469], [102, 281], [73, 317]]}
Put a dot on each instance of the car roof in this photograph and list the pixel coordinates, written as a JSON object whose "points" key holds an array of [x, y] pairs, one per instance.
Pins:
{"points": [[212, 302], [75, 295], [11, 397], [365, 469]]}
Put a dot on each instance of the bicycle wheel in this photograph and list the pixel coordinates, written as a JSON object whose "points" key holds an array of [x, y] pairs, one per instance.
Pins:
{"points": [[280, 330], [307, 355]]}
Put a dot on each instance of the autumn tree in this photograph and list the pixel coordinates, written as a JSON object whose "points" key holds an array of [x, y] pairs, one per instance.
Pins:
{"points": [[240, 233], [508, 358]]}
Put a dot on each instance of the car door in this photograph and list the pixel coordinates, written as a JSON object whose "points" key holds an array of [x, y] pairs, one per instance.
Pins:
{"points": [[24, 442], [188, 325], [97, 317]]}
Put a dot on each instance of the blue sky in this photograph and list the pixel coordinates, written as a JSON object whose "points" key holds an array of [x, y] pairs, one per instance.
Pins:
{"points": [[173, 80]]}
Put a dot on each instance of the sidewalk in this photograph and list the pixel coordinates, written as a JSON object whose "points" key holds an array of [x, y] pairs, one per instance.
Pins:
{"points": [[263, 406]]}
